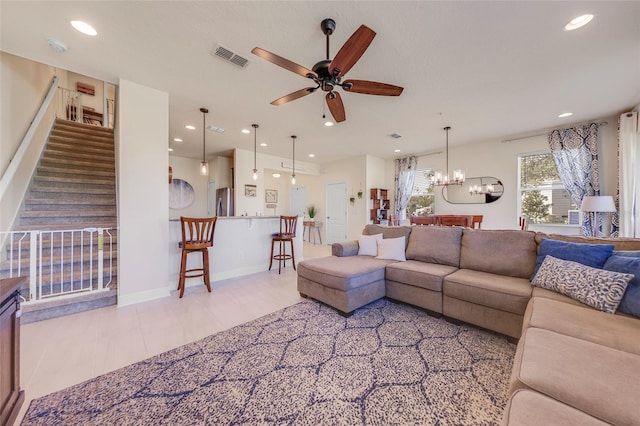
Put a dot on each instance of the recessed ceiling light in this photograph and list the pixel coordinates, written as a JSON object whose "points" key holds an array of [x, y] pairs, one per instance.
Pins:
{"points": [[84, 28], [565, 114], [578, 22], [275, 175], [57, 45], [328, 123], [396, 150], [177, 140], [263, 144], [245, 131], [311, 155], [190, 127], [170, 149]]}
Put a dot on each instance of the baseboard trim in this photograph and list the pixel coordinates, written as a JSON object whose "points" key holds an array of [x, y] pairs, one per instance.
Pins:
{"points": [[142, 296]]}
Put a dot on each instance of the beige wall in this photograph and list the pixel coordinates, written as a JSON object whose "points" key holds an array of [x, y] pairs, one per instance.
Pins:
{"points": [[143, 196], [23, 84], [188, 170], [500, 159]]}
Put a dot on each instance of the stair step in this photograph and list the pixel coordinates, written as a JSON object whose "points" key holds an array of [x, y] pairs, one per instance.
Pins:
{"points": [[102, 223], [54, 152], [47, 309], [82, 127], [77, 163], [65, 172], [84, 132], [67, 203], [82, 141], [54, 190], [72, 180], [63, 144]]}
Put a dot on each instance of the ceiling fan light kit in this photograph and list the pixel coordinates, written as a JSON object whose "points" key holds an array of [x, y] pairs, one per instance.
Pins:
{"points": [[327, 74]]}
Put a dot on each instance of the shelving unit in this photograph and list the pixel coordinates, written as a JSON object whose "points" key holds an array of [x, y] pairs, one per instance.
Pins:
{"points": [[380, 205]]}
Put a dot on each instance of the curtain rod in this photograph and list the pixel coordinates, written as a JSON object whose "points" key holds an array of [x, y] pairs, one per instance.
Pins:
{"points": [[602, 123]]}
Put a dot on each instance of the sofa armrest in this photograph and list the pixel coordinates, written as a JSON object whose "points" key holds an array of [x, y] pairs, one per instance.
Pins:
{"points": [[348, 248]]}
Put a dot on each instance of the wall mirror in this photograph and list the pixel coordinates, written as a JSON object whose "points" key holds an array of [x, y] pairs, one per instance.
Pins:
{"points": [[475, 190]]}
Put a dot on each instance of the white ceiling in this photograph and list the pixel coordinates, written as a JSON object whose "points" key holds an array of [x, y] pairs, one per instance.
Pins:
{"points": [[491, 70]]}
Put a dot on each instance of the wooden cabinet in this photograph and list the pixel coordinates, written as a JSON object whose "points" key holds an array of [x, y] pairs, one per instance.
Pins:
{"points": [[11, 397], [380, 205]]}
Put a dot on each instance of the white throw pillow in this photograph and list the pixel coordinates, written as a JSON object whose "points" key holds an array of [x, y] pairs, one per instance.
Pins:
{"points": [[391, 249], [367, 244]]}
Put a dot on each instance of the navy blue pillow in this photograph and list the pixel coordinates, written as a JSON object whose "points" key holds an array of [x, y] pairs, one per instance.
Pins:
{"points": [[593, 255], [630, 303]]}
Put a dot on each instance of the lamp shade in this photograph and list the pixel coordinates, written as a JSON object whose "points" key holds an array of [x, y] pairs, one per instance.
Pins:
{"points": [[598, 203]]}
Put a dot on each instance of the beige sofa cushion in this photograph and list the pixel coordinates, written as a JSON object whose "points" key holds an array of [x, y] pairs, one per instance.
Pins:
{"points": [[388, 231], [343, 273], [435, 244], [528, 408], [419, 274], [585, 323], [495, 291], [595, 379], [506, 252]]}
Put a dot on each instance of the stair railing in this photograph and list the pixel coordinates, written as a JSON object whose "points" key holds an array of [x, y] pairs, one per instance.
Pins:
{"points": [[69, 105], [16, 177], [60, 262]]}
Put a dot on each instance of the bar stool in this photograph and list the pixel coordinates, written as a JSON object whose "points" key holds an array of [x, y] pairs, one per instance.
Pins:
{"points": [[287, 233], [197, 235]]}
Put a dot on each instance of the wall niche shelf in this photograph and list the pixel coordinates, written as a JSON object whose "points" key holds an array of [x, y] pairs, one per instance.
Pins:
{"points": [[380, 205]]}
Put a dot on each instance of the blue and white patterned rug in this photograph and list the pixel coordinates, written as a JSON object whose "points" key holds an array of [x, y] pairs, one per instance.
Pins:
{"points": [[304, 365]]}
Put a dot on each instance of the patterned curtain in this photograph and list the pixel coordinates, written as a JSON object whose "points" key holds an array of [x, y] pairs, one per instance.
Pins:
{"points": [[575, 152], [405, 176]]}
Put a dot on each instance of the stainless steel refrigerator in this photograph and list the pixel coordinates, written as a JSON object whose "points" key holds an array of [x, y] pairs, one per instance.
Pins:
{"points": [[224, 203]]}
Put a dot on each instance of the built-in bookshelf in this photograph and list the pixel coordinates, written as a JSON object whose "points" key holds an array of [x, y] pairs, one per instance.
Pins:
{"points": [[380, 205]]}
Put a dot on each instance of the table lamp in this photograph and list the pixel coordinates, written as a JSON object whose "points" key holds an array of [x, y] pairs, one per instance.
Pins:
{"points": [[597, 204]]}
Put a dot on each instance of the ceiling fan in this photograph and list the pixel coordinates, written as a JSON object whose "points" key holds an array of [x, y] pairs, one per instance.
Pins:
{"points": [[328, 74]]}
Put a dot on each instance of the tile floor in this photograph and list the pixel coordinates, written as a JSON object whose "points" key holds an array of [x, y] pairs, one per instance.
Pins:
{"points": [[61, 352]]}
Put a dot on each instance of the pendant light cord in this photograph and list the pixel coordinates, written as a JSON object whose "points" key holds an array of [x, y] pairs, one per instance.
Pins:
{"points": [[447, 150]]}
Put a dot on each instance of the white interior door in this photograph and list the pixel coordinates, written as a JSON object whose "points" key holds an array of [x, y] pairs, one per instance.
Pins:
{"points": [[336, 212], [298, 201]]}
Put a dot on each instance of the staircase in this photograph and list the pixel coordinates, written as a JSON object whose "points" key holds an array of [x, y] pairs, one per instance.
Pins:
{"points": [[73, 188]]}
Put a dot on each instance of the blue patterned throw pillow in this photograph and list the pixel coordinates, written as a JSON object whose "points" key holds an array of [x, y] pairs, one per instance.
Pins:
{"points": [[597, 288], [593, 255], [622, 262]]}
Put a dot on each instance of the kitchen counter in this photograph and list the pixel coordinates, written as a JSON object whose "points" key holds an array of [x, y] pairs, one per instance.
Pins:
{"points": [[241, 246]]}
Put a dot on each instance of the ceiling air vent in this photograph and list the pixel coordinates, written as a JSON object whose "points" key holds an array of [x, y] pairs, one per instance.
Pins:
{"points": [[229, 56]]}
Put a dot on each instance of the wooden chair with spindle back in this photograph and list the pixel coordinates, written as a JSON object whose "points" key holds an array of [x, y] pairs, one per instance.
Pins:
{"points": [[287, 234], [197, 236]]}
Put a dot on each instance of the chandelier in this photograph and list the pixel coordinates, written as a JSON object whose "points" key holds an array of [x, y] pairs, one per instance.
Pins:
{"points": [[443, 179]]}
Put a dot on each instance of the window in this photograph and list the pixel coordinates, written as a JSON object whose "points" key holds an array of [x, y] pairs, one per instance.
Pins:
{"points": [[543, 198], [422, 199]]}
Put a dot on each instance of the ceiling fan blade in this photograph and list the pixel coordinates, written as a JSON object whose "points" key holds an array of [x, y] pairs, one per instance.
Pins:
{"points": [[293, 96], [282, 62], [336, 107], [352, 50], [372, 88]]}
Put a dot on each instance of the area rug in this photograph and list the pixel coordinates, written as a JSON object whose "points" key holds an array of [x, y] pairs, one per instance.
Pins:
{"points": [[389, 363]]}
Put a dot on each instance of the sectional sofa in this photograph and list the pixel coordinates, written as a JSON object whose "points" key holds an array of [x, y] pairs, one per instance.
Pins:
{"points": [[573, 365]]}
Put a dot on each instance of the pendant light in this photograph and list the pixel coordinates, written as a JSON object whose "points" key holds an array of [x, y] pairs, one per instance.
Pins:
{"points": [[255, 150], [442, 179], [293, 144], [204, 164]]}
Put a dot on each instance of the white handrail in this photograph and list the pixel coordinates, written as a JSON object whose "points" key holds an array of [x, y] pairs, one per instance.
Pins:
{"points": [[13, 166]]}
